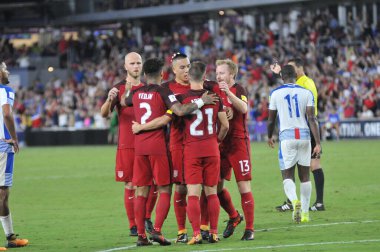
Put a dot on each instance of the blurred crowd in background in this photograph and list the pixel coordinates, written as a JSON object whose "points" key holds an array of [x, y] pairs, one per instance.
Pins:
{"points": [[344, 63]]}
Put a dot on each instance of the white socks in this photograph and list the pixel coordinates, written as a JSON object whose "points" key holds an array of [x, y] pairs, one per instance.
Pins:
{"points": [[290, 189], [6, 221], [305, 196]]}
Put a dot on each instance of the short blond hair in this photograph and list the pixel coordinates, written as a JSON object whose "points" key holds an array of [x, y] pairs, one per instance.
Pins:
{"points": [[231, 65]]}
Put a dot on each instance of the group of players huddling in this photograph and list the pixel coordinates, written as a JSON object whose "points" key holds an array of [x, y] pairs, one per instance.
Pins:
{"points": [[208, 138]]}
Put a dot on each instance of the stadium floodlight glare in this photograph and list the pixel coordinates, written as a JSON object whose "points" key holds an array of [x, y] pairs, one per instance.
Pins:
{"points": [[50, 69], [221, 13]]}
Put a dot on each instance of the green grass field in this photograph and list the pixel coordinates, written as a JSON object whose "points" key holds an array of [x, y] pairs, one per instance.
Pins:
{"points": [[66, 199]]}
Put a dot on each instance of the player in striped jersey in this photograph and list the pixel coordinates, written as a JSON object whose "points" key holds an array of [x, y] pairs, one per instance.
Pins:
{"points": [[8, 147], [293, 104]]}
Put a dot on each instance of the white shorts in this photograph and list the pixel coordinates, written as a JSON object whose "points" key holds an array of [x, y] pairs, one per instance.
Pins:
{"points": [[293, 152], [6, 168]]}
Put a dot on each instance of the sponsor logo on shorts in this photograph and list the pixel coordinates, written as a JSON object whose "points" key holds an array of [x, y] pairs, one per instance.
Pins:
{"points": [[245, 173], [175, 173]]}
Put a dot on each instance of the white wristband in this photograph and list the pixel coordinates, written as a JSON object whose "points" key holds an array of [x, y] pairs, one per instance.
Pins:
{"points": [[199, 103]]}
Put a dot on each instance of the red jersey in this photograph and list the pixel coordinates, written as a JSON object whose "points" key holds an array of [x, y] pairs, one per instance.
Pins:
{"points": [[214, 87], [126, 139], [238, 124], [200, 127], [176, 132], [149, 102]]}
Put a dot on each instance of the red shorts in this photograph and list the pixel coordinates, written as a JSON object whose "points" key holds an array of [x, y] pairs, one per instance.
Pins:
{"points": [[124, 165], [177, 166], [202, 170], [237, 156], [151, 169]]}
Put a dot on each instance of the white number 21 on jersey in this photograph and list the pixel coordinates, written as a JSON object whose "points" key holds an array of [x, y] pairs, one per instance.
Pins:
{"points": [[193, 126]]}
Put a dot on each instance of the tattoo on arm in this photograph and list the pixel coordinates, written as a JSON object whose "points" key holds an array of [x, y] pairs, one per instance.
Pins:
{"points": [[183, 109]]}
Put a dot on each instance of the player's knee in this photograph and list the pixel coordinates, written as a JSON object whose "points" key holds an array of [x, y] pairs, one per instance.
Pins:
{"points": [[244, 186], [181, 189]]}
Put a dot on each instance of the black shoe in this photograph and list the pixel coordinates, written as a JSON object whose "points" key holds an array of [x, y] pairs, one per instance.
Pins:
{"points": [[205, 235], [213, 238], [286, 206], [158, 237], [143, 241], [148, 226], [14, 242], [182, 238], [231, 225], [133, 231], [249, 235], [317, 207]]}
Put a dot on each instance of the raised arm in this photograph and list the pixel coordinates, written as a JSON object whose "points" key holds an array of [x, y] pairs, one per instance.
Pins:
{"points": [[238, 104], [105, 110], [224, 125], [185, 109], [154, 124]]}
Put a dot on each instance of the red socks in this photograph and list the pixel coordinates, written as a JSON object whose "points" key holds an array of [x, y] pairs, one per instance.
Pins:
{"points": [[180, 209], [194, 212], [204, 210], [248, 205], [140, 203], [213, 212], [151, 202], [162, 210], [226, 202], [129, 198]]}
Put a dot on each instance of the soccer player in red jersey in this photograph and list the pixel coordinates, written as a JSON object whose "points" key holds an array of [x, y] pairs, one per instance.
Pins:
{"points": [[180, 85], [235, 151], [201, 153], [125, 151], [151, 157]]}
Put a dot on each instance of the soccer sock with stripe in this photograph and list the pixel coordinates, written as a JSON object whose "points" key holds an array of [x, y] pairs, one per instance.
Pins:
{"points": [[140, 203], [305, 189], [226, 203], [204, 211], [213, 212], [7, 223], [290, 189], [151, 202], [180, 210], [319, 179], [162, 209], [248, 205], [194, 213], [129, 198]]}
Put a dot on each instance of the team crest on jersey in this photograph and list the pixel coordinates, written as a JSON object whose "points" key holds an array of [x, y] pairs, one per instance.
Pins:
{"points": [[172, 98], [120, 174]]}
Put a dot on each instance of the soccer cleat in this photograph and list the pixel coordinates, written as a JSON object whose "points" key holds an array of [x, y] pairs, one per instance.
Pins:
{"points": [[213, 238], [148, 226], [231, 225], [297, 211], [3, 248], [143, 241], [305, 217], [284, 207], [205, 234], [249, 235], [158, 237], [14, 242], [317, 207], [182, 237], [133, 231], [195, 240]]}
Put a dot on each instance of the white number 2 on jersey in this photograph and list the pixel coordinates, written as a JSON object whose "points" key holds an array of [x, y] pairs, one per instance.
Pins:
{"points": [[193, 126], [148, 112]]}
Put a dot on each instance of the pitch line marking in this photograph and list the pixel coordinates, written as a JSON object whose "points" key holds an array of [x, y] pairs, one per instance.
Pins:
{"points": [[289, 245], [270, 229]]}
